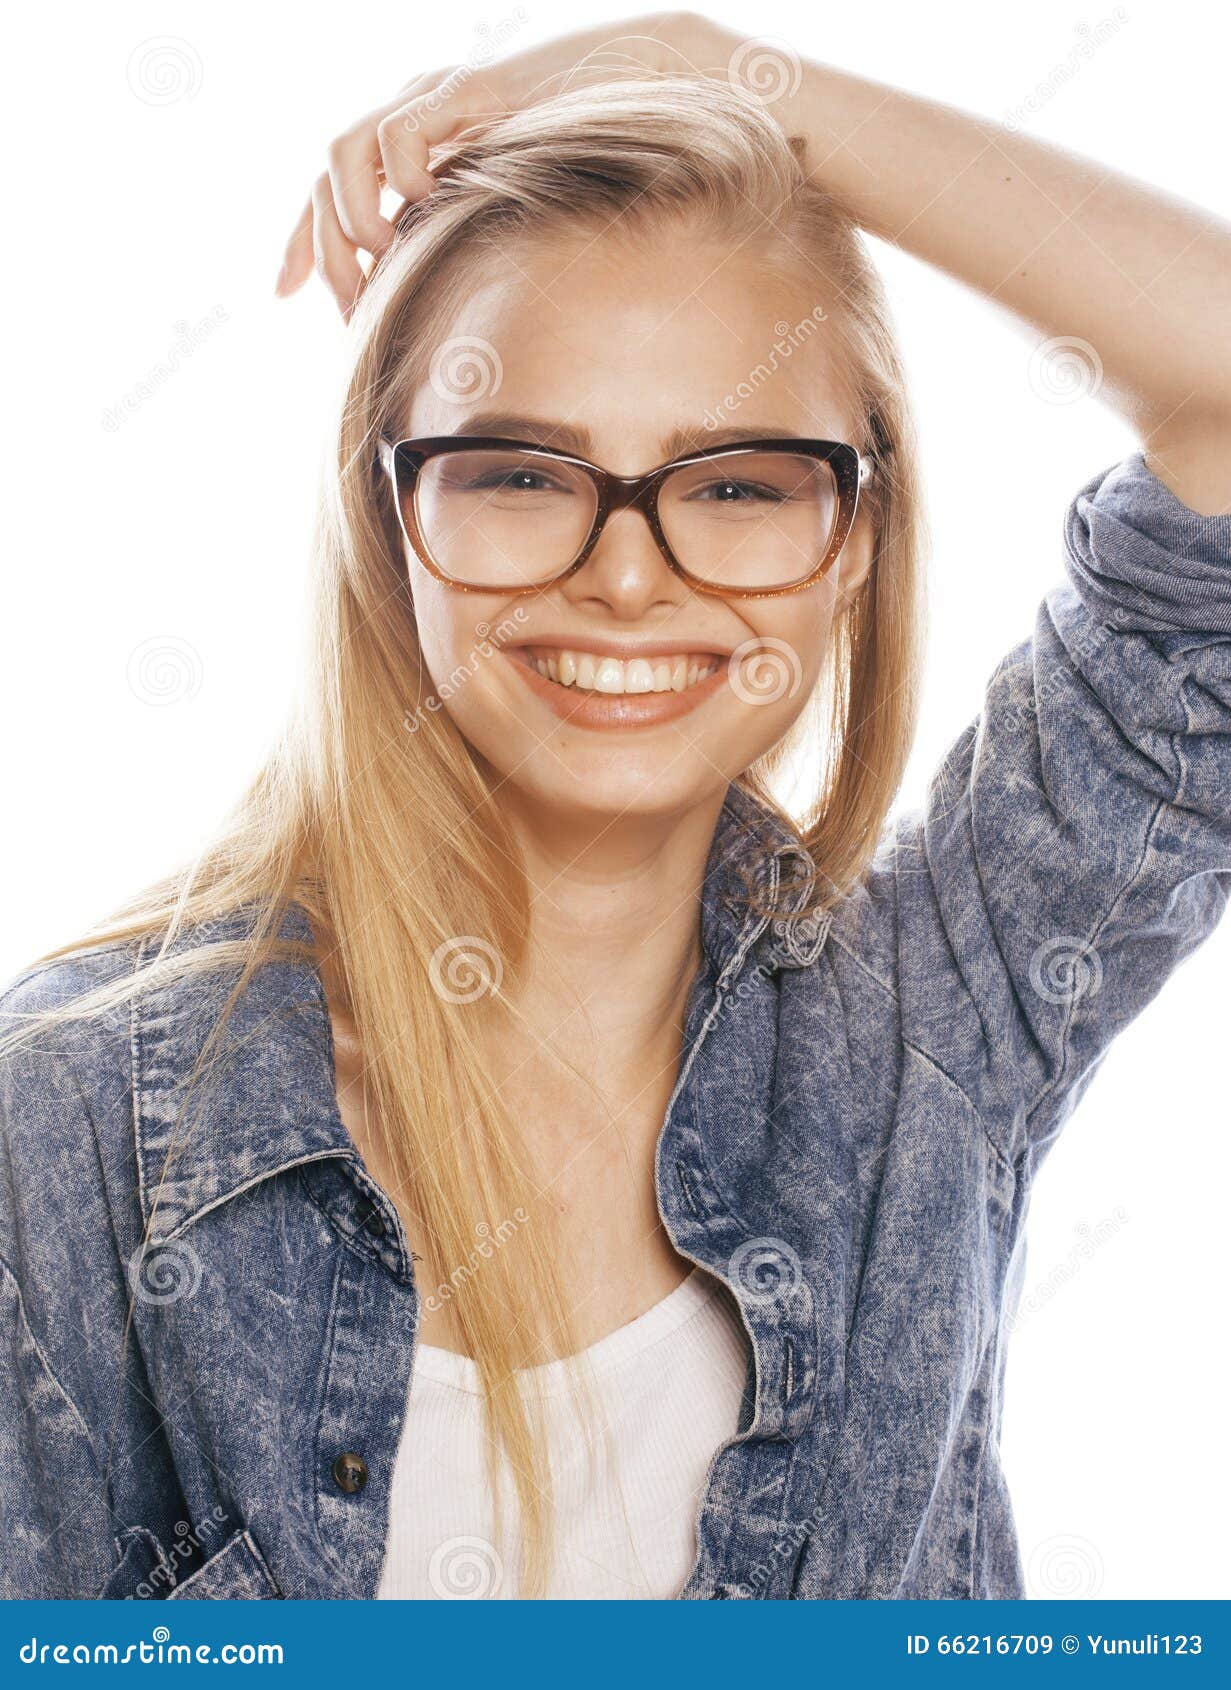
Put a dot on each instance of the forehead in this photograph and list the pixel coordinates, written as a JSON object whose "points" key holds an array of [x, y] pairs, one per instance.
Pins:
{"points": [[635, 340]]}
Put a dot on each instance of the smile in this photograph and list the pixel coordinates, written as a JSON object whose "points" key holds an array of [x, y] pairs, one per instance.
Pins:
{"points": [[600, 689], [592, 672]]}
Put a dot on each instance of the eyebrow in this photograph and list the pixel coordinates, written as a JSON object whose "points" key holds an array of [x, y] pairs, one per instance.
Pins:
{"points": [[568, 437]]}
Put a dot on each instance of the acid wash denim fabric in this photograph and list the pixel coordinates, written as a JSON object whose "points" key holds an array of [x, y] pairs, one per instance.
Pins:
{"points": [[850, 1146]]}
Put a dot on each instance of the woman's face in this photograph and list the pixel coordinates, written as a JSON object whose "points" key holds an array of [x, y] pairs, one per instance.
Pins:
{"points": [[607, 351]]}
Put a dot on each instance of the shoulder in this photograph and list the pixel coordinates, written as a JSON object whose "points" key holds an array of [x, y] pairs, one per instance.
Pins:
{"points": [[40, 1028], [65, 1080], [58, 982]]}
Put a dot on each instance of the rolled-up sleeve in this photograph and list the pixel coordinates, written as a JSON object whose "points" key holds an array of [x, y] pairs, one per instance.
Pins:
{"points": [[1075, 843]]}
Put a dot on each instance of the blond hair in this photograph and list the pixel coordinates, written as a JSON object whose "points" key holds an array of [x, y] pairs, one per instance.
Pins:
{"points": [[391, 841]]}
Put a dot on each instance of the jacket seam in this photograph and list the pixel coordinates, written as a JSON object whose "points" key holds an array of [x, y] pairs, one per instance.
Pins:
{"points": [[45, 1362], [244, 1538], [1051, 1088], [985, 1425], [928, 1057], [136, 1063], [860, 963], [322, 1394], [992, 1143]]}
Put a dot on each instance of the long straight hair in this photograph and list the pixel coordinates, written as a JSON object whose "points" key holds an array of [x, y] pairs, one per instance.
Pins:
{"points": [[380, 823]]}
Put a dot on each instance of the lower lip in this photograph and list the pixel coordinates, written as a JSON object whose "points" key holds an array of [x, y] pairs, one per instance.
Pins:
{"points": [[621, 709]]}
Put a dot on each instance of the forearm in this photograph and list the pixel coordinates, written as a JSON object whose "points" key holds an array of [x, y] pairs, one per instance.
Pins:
{"points": [[1069, 246]]}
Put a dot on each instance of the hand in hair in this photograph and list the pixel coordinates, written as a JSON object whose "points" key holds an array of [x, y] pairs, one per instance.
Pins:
{"points": [[1083, 256], [389, 146]]}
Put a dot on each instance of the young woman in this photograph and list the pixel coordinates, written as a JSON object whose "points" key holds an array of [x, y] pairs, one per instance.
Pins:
{"points": [[516, 1158]]}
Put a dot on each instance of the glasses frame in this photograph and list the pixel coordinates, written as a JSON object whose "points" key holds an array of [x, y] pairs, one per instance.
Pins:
{"points": [[851, 470]]}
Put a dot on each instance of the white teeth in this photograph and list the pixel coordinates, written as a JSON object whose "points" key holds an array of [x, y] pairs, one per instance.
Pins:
{"points": [[613, 675], [609, 676]]}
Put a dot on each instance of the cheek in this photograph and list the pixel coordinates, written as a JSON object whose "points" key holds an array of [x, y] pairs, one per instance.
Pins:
{"points": [[454, 631], [785, 650]]}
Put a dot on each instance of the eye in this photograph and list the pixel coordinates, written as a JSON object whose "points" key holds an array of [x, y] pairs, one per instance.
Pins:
{"points": [[506, 481], [729, 491], [520, 481]]}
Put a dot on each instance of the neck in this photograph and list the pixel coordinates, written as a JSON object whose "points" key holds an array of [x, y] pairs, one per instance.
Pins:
{"points": [[615, 926]]}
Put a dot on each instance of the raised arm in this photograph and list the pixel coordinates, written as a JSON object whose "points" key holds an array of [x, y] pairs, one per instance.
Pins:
{"points": [[1070, 247]]}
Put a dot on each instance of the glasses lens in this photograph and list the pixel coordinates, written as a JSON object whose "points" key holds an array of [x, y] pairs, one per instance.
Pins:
{"points": [[750, 520], [502, 518]]}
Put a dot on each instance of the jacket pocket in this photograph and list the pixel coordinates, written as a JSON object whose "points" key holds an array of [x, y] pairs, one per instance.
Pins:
{"points": [[142, 1570], [236, 1573]]}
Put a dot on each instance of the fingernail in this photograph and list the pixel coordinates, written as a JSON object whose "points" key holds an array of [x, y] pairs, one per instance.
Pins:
{"points": [[280, 284]]}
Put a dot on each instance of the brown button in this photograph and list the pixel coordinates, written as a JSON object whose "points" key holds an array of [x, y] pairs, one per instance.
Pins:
{"points": [[350, 1472], [371, 1220]]}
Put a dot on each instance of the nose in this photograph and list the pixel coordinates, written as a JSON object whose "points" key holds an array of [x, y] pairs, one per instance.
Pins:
{"points": [[626, 573]]}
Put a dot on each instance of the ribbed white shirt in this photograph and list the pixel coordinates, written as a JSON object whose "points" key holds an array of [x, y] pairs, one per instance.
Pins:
{"points": [[667, 1388]]}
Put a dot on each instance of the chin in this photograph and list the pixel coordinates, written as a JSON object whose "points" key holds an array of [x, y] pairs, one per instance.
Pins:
{"points": [[618, 787]]}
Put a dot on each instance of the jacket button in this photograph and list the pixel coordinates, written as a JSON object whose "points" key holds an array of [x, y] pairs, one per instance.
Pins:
{"points": [[350, 1472], [371, 1220]]}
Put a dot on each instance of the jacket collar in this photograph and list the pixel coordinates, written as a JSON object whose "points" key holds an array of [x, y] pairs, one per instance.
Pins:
{"points": [[756, 851], [266, 1099]]}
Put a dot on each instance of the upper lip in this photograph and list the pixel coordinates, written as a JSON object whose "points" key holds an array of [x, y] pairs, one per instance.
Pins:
{"points": [[625, 649]]}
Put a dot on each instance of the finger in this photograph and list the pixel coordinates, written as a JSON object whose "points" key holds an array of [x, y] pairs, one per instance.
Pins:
{"points": [[427, 120], [418, 84], [354, 178], [336, 262], [297, 259]]}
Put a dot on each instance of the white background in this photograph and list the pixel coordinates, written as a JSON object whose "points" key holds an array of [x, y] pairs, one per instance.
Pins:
{"points": [[154, 575]]}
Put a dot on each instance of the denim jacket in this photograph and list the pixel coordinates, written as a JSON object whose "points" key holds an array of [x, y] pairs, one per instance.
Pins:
{"points": [[861, 1108]]}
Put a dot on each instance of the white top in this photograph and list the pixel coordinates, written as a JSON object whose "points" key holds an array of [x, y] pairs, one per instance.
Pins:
{"points": [[667, 1387]]}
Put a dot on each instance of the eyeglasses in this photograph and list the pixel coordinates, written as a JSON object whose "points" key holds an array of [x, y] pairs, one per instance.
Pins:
{"points": [[490, 515]]}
